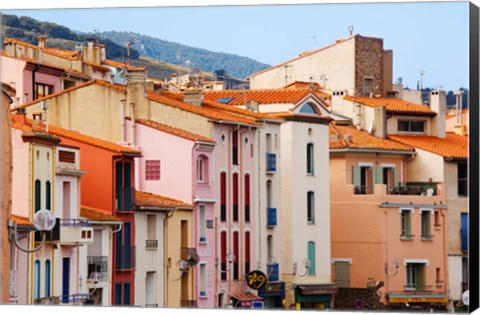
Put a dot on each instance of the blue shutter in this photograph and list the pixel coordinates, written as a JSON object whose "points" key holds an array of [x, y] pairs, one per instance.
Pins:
{"points": [[47, 278], [118, 294], [126, 293], [36, 280], [464, 231], [311, 257]]}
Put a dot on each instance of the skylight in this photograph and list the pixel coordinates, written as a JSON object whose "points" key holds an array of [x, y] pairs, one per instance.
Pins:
{"points": [[225, 100]]}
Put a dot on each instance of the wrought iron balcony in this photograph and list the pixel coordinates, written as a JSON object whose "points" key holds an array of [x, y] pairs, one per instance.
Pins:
{"points": [[98, 264], [364, 190], [412, 189]]}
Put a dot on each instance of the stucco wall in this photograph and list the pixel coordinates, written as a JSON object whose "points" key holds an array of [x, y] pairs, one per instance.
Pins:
{"points": [[11, 70], [426, 166]]}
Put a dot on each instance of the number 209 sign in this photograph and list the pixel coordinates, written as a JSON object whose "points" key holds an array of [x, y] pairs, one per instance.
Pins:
{"points": [[256, 279]]}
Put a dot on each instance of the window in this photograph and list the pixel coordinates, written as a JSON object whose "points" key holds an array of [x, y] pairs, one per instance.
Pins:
{"points": [[66, 200], [367, 86], [66, 156], [203, 224], [151, 241], [235, 197], [389, 175], [437, 219], [66, 280], [48, 195], [42, 90], [342, 274], [247, 198], [118, 293], [426, 232], [311, 257], [202, 169], [464, 231], [223, 254], [247, 252], [68, 84], [310, 207], [36, 280], [126, 293], [48, 272], [38, 195], [123, 186], [203, 279], [438, 276], [152, 170], [415, 277], [223, 196], [236, 271], [150, 289], [308, 109], [235, 147], [405, 216], [363, 179], [462, 173], [310, 158], [411, 126]]}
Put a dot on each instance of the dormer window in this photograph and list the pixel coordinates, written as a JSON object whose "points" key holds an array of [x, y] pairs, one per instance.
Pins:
{"points": [[411, 126], [307, 109]]}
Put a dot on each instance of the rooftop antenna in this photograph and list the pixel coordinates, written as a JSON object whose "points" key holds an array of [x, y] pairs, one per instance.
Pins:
{"points": [[350, 29], [422, 73]]}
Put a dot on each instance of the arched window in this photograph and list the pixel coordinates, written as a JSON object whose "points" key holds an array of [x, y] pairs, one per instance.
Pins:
{"points": [[247, 252], [36, 280], [311, 257], [48, 195], [38, 195], [310, 163], [223, 254], [236, 258], [235, 197], [223, 196], [310, 207], [247, 198], [307, 109], [202, 169], [47, 277]]}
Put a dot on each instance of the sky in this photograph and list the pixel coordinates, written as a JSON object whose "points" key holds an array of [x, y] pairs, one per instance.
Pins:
{"points": [[428, 37]]}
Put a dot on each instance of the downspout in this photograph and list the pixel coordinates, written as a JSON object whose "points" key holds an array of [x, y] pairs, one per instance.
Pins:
{"points": [[122, 120], [132, 106], [165, 257], [259, 209], [241, 198]]}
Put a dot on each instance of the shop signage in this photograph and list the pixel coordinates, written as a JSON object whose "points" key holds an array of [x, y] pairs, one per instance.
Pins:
{"points": [[256, 279]]}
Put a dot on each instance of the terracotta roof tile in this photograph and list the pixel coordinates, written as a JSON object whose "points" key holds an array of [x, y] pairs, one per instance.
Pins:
{"points": [[146, 199], [96, 66], [392, 105], [453, 146], [173, 131], [205, 111], [67, 54], [339, 135], [21, 220], [95, 214], [270, 96]]}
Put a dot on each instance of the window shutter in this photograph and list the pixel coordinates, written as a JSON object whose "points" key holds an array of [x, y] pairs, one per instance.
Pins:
{"points": [[377, 175], [356, 175], [408, 229], [395, 177]]}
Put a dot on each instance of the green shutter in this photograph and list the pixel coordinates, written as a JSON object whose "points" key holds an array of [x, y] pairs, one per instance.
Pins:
{"points": [[408, 227], [395, 177], [377, 175], [420, 273], [356, 175], [311, 257]]}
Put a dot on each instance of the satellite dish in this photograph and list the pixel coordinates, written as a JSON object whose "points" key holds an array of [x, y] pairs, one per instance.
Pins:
{"points": [[44, 220], [466, 297]]}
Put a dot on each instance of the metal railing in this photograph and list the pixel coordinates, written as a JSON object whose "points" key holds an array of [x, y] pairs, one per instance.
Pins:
{"points": [[75, 222], [363, 190], [98, 264], [412, 189], [151, 244]]}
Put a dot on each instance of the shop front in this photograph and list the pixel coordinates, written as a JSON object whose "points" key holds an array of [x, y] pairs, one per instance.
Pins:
{"points": [[318, 296], [246, 300], [273, 295], [418, 301]]}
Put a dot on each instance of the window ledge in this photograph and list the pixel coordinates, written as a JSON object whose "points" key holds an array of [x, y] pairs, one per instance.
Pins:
{"points": [[427, 239], [405, 238]]}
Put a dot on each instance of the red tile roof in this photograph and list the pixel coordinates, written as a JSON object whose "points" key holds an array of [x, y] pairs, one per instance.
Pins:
{"points": [[453, 146], [95, 214], [67, 54], [393, 105], [174, 131], [361, 140], [21, 220], [96, 66], [270, 96], [146, 199], [205, 111]]}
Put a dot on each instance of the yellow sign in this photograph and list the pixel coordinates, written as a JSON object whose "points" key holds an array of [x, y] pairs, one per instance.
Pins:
{"points": [[256, 279]]}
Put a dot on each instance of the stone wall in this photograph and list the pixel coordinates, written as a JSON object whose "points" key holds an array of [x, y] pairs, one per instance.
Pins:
{"points": [[369, 64]]}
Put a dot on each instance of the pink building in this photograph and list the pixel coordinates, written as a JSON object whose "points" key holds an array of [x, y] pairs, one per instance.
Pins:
{"points": [[180, 164], [387, 236]]}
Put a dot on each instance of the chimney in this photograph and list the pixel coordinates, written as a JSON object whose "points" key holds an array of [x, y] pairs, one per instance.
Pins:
{"points": [[338, 103], [193, 97], [380, 122], [90, 52], [459, 128], [136, 90], [21, 116], [42, 41], [438, 103]]}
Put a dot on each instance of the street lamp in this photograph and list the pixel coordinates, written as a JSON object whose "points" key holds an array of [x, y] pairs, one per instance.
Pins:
{"points": [[43, 221], [307, 263], [230, 257], [396, 263]]}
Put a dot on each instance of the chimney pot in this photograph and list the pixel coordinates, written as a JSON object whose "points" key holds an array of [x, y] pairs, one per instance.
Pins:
{"points": [[21, 116], [193, 97]]}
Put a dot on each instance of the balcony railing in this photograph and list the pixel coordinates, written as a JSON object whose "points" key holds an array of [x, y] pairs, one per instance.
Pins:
{"points": [[364, 190], [188, 303], [418, 189], [273, 273], [271, 217], [418, 288], [271, 162], [189, 254], [151, 244], [98, 264], [125, 200], [125, 258]]}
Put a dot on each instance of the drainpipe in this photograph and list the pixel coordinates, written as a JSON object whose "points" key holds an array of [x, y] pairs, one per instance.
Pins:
{"points": [[132, 108], [122, 120], [165, 257]]}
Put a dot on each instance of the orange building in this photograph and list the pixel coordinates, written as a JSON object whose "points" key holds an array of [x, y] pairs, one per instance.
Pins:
{"points": [[388, 235]]}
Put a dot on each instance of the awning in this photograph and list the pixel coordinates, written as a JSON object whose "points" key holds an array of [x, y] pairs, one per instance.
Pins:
{"points": [[417, 298], [317, 289], [244, 299]]}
